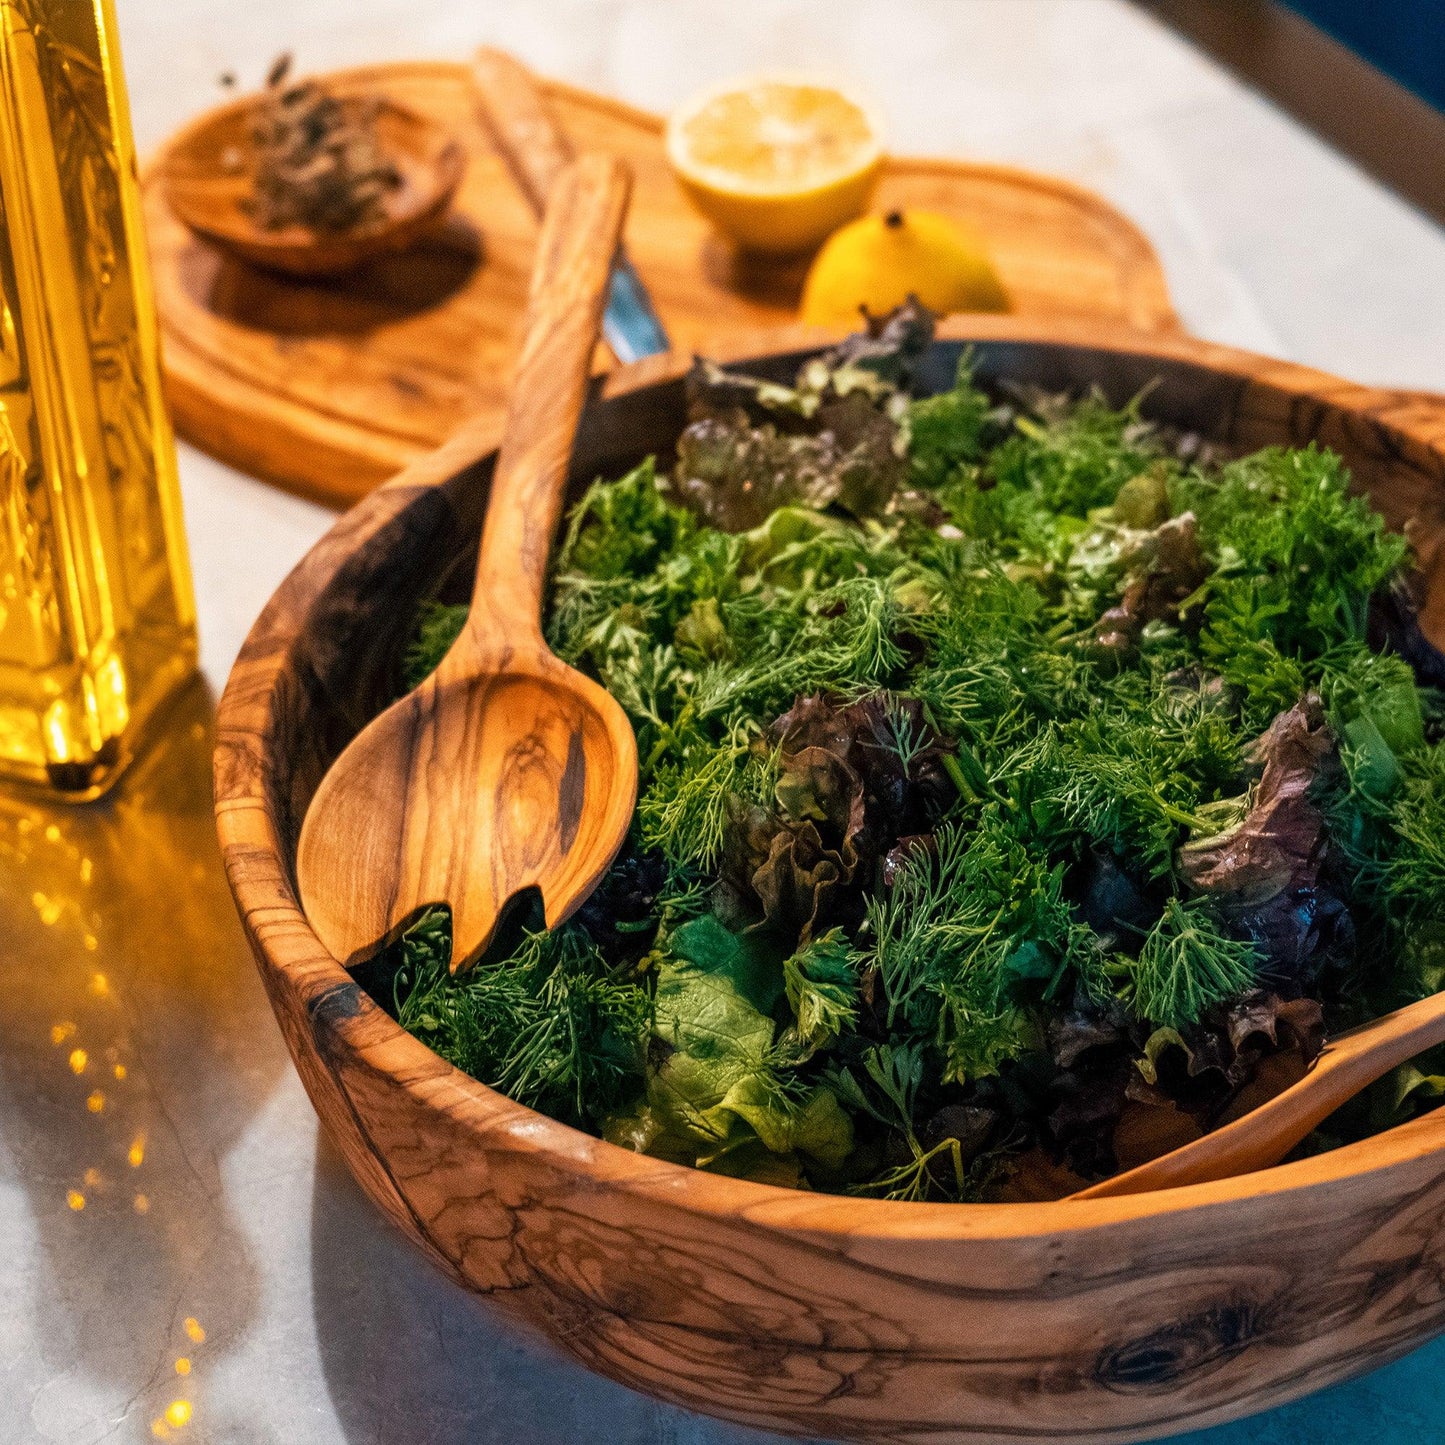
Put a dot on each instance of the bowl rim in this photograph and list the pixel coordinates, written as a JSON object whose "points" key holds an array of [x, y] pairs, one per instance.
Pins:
{"points": [[292, 959]]}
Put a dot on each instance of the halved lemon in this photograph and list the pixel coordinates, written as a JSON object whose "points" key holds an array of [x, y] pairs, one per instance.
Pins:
{"points": [[777, 162]]}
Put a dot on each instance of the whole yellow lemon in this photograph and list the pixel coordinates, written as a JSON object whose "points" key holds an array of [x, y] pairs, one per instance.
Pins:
{"points": [[879, 261]]}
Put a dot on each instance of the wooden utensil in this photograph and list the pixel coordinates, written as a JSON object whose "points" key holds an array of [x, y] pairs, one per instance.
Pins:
{"points": [[207, 189], [526, 134], [506, 769], [529, 139], [1262, 1137]]}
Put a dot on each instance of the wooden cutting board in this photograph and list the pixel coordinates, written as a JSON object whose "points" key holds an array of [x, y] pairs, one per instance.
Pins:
{"points": [[329, 388]]}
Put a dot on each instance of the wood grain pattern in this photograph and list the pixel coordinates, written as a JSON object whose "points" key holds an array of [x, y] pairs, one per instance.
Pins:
{"points": [[1089, 1321], [208, 193], [522, 130], [528, 137], [505, 769], [331, 389]]}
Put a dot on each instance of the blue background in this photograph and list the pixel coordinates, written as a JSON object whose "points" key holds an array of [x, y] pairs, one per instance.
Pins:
{"points": [[1402, 1404], [1404, 38]]}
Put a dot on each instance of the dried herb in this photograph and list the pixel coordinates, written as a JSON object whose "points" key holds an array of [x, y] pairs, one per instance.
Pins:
{"points": [[316, 157]]}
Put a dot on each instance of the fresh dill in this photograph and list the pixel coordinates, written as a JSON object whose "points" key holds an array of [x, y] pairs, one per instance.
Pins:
{"points": [[1188, 963]]}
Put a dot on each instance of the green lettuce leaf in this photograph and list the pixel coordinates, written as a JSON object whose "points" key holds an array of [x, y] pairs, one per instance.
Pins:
{"points": [[717, 1093]]}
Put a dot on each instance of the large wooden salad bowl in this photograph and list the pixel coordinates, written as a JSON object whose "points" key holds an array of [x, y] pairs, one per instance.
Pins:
{"points": [[1114, 1319]]}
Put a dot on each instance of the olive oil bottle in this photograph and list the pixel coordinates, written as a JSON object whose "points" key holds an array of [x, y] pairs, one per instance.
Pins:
{"points": [[97, 619]]}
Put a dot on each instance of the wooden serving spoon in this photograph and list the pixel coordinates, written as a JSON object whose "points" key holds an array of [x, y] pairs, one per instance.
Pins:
{"points": [[1262, 1137], [505, 769]]}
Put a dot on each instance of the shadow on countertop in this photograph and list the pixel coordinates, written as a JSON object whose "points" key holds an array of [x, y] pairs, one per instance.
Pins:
{"points": [[408, 1355]]}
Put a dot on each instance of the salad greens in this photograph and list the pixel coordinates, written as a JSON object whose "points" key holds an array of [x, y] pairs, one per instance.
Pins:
{"points": [[1024, 790]]}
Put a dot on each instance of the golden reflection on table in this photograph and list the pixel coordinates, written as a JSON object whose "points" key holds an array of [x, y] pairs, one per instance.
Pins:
{"points": [[119, 953]]}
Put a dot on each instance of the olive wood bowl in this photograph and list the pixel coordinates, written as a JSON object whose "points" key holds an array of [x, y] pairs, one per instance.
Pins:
{"points": [[207, 178], [1103, 1320]]}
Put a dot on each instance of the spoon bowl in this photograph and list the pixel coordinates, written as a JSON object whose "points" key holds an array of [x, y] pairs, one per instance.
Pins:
{"points": [[505, 769], [207, 181], [523, 779]]}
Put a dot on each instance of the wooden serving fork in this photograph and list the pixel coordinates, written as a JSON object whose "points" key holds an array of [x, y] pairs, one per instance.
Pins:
{"points": [[505, 769]]}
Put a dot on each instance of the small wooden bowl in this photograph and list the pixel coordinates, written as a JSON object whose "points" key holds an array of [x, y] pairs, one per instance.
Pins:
{"points": [[206, 188], [1108, 1320]]}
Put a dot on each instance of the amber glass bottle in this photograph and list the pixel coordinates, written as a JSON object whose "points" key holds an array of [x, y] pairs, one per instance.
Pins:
{"points": [[97, 620]]}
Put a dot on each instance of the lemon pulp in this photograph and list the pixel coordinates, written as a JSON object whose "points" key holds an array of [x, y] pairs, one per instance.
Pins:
{"points": [[777, 164]]}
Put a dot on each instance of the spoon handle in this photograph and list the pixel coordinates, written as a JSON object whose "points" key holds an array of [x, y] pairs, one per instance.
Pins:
{"points": [[1262, 1137], [580, 232], [521, 126]]}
